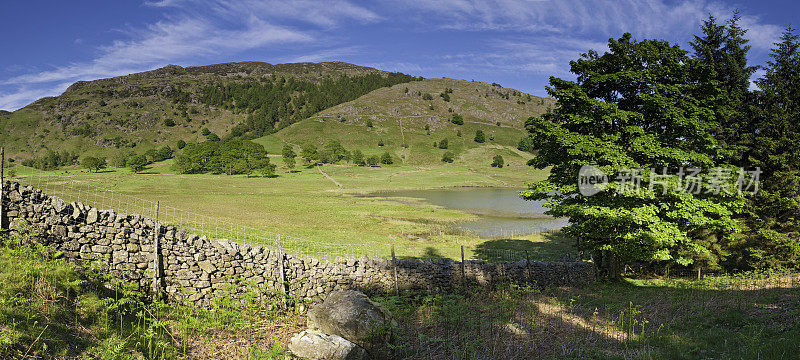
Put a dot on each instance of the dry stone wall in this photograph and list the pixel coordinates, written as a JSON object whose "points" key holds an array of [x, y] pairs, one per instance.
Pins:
{"points": [[197, 267]]}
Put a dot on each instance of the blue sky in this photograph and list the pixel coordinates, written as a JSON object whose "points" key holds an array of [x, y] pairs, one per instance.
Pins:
{"points": [[48, 45]]}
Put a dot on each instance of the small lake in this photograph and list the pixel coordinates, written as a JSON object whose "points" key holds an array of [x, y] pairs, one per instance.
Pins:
{"points": [[501, 211]]}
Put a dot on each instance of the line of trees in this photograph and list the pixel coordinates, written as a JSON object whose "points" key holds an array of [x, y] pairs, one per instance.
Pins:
{"points": [[52, 160], [333, 152], [276, 102], [231, 157], [651, 104]]}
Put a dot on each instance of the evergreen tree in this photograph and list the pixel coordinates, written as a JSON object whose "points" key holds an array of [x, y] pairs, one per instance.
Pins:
{"points": [[776, 133], [723, 49]]}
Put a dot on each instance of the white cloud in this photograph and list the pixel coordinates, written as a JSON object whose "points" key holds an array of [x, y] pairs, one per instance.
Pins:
{"points": [[573, 18], [531, 36], [24, 95], [327, 54], [191, 30]]}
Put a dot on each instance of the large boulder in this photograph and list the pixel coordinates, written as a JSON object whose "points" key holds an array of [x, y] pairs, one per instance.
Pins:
{"points": [[353, 316], [313, 344]]}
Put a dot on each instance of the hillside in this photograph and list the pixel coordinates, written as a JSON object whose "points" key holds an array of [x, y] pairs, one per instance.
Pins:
{"points": [[276, 104], [147, 110], [418, 114]]}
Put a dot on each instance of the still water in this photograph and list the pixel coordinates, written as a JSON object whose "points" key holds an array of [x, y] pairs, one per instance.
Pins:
{"points": [[501, 211]]}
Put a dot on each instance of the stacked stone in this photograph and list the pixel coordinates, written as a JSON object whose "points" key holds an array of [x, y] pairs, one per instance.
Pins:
{"points": [[198, 268]]}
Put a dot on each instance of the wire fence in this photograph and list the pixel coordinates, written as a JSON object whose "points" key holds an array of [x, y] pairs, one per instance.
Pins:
{"points": [[84, 191]]}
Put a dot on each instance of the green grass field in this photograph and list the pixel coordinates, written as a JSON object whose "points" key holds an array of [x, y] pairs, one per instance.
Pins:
{"points": [[50, 310], [308, 209]]}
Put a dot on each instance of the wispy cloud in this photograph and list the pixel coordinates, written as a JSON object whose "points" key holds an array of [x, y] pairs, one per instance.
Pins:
{"points": [[192, 30], [644, 17], [328, 54], [536, 38], [542, 36]]}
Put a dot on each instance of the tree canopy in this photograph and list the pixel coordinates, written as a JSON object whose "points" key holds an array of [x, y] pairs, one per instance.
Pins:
{"points": [[273, 103], [229, 157], [642, 105]]}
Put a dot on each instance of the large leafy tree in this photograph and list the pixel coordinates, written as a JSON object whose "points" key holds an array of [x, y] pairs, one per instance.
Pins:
{"points": [[641, 105]]}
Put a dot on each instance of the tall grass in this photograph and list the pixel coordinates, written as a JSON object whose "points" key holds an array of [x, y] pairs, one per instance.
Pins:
{"points": [[726, 317], [50, 309]]}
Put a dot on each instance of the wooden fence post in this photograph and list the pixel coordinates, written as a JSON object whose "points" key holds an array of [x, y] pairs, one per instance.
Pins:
{"points": [[463, 264], [157, 276], [284, 283], [394, 266], [527, 268], [2, 188]]}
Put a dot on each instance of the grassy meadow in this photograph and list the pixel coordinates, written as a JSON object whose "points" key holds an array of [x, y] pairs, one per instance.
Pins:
{"points": [[314, 215], [50, 310]]}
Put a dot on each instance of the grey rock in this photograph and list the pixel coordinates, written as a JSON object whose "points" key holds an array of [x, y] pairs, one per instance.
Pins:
{"points": [[91, 218], [353, 316], [207, 266], [58, 204], [313, 344], [14, 196], [76, 212]]}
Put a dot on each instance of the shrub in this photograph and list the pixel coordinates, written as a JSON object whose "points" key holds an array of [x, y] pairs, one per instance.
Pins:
{"points": [[480, 137], [386, 158], [498, 161], [358, 158], [169, 122], [181, 144], [373, 160], [448, 157], [457, 119], [525, 144], [443, 144]]}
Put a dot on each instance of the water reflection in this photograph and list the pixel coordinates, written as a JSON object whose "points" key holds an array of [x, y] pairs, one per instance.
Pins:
{"points": [[501, 211]]}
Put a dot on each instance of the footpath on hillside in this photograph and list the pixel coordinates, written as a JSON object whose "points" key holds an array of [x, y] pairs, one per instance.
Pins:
{"points": [[328, 176]]}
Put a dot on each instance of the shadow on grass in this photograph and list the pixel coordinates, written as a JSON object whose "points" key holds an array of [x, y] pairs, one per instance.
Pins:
{"points": [[555, 246], [432, 253], [681, 319]]}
